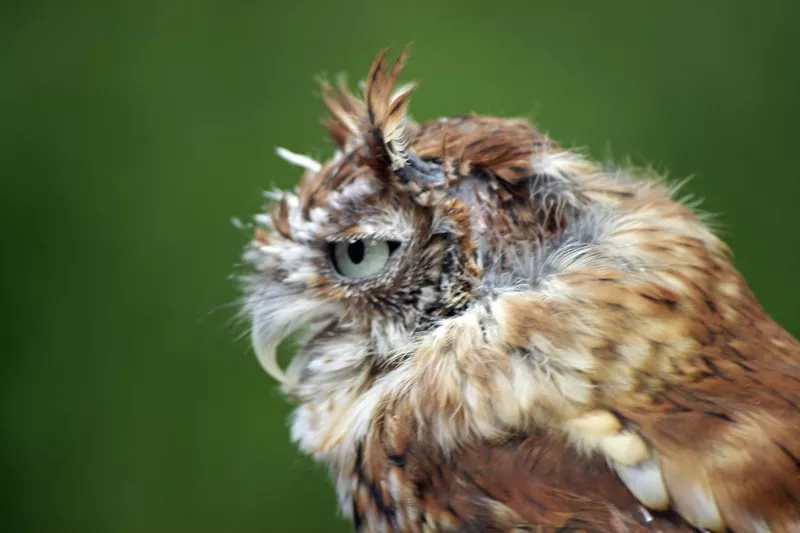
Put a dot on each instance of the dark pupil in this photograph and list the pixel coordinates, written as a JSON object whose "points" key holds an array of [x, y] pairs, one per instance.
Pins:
{"points": [[356, 251]]}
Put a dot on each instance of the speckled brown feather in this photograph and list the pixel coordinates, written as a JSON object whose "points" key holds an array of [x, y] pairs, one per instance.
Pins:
{"points": [[713, 383], [558, 347], [526, 483], [714, 394]]}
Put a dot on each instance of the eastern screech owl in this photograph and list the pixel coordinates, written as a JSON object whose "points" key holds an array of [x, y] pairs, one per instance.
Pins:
{"points": [[501, 335]]}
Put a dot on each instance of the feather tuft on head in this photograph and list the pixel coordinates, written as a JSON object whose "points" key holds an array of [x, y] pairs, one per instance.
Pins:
{"points": [[347, 113], [386, 112], [379, 121]]}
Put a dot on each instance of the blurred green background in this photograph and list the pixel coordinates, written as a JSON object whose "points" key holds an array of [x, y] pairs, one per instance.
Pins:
{"points": [[131, 133]]}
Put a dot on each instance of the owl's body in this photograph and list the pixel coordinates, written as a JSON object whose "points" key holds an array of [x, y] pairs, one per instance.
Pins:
{"points": [[501, 335]]}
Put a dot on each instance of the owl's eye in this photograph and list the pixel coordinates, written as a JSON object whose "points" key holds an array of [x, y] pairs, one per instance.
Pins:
{"points": [[362, 258]]}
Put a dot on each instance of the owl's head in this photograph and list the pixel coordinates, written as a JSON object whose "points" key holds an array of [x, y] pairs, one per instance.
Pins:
{"points": [[396, 233]]}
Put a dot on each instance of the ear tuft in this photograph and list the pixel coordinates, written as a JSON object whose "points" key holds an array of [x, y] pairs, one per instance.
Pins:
{"points": [[347, 113], [379, 120], [386, 112]]}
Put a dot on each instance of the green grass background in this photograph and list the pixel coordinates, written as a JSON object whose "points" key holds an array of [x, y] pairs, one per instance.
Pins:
{"points": [[131, 133]]}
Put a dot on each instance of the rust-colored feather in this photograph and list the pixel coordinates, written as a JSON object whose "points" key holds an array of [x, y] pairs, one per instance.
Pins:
{"points": [[701, 379], [554, 346]]}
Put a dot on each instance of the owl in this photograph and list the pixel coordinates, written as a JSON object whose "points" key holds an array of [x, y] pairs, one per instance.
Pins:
{"points": [[497, 334]]}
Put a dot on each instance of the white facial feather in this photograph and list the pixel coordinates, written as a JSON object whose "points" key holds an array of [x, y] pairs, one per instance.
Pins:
{"points": [[298, 159]]}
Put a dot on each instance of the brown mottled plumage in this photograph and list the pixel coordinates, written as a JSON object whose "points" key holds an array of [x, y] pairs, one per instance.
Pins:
{"points": [[500, 335]]}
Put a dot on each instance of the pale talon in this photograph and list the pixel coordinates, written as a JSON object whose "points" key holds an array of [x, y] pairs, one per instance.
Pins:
{"points": [[644, 480]]}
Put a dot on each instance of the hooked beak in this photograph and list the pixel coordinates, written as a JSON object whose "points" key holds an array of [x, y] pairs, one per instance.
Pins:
{"points": [[277, 318]]}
